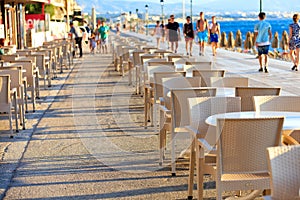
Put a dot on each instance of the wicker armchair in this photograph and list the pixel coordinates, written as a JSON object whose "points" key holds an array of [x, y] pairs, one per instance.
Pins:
{"points": [[246, 93], [179, 119], [206, 74], [199, 109], [5, 99], [284, 166], [229, 82], [243, 167], [280, 103]]}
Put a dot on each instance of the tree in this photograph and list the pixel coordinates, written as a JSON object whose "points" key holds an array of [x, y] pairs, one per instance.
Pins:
{"points": [[49, 9]]}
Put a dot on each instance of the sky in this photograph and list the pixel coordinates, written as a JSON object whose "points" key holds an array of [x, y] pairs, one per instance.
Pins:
{"points": [[212, 5]]}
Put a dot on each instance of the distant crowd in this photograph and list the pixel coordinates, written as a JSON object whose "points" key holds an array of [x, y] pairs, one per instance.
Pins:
{"points": [[204, 32], [97, 38]]}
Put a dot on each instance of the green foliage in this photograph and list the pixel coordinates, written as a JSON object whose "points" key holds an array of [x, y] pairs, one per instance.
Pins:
{"points": [[34, 8], [49, 9], [102, 18]]}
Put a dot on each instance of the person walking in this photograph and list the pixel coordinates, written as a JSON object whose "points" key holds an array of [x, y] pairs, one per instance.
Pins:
{"points": [[203, 32], [163, 35], [294, 41], [78, 37], [2, 44], [262, 38], [157, 32], [103, 30], [188, 32], [215, 31], [167, 34], [174, 33]]}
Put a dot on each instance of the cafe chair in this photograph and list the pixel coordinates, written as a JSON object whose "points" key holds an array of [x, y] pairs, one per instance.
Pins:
{"points": [[206, 74], [229, 82], [201, 108], [149, 86], [241, 153], [151, 98], [197, 65], [284, 168], [5, 99], [280, 103], [246, 94], [179, 118]]}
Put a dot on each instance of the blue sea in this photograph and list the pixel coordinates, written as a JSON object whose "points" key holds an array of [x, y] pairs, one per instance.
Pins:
{"points": [[278, 25]]}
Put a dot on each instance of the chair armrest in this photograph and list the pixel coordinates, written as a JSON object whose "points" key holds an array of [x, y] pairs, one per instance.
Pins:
{"points": [[192, 130], [164, 109], [288, 140], [206, 145]]}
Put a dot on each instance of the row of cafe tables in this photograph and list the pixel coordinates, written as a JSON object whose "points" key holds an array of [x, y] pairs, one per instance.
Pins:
{"points": [[34, 63], [138, 55]]}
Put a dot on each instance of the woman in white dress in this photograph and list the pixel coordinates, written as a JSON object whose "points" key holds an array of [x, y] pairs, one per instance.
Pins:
{"points": [[157, 32]]}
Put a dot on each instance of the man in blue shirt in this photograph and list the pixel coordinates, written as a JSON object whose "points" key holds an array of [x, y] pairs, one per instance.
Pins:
{"points": [[263, 36]]}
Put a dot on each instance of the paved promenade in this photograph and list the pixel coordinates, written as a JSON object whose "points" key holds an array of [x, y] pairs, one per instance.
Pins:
{"points": [[87, 141]]}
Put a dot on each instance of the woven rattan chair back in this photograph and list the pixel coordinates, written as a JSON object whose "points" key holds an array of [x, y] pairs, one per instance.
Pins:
{"points": [[229, 82], [241, 152], [201, 108], [206, 74], [246, 93], [179, 103], [284, 166], [158, 83]]}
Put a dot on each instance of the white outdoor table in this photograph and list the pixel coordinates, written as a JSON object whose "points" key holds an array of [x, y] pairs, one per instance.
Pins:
{"points": [[291, 121]]}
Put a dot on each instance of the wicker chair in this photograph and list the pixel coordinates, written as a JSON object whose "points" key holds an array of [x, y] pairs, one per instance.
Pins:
{"points": [[136, 65], [179, 119], [17, 83], [199, 109], [150, 98], [126, 60], [172, 56], [229, 82], [243, 167], [246, 93], [141, 69], [31, 78], [191, 66], [280, 103], [5, 99], [284, 166], [206, 74]]}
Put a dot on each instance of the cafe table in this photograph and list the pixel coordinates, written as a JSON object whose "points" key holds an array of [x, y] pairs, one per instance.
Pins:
{"points": [[291, 119]]}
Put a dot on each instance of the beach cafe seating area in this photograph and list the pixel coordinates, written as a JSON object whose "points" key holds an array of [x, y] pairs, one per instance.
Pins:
{"points": [[236, 131], [21, 72], [244, 136]]}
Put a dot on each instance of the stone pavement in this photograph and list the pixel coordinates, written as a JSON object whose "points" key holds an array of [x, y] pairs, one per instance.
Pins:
{"points": [[87, 141]]}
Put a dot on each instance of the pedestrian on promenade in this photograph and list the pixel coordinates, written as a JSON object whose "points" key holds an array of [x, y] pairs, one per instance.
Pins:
{"points": [[214, 30], [93, 43], [174, 33], [2, 44], [262, 38], [294, 41], [188, 32], [163, 35], [103, 30], [157, 33], [202, 28], [167, 34], [78, 37], [118, 29]]}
